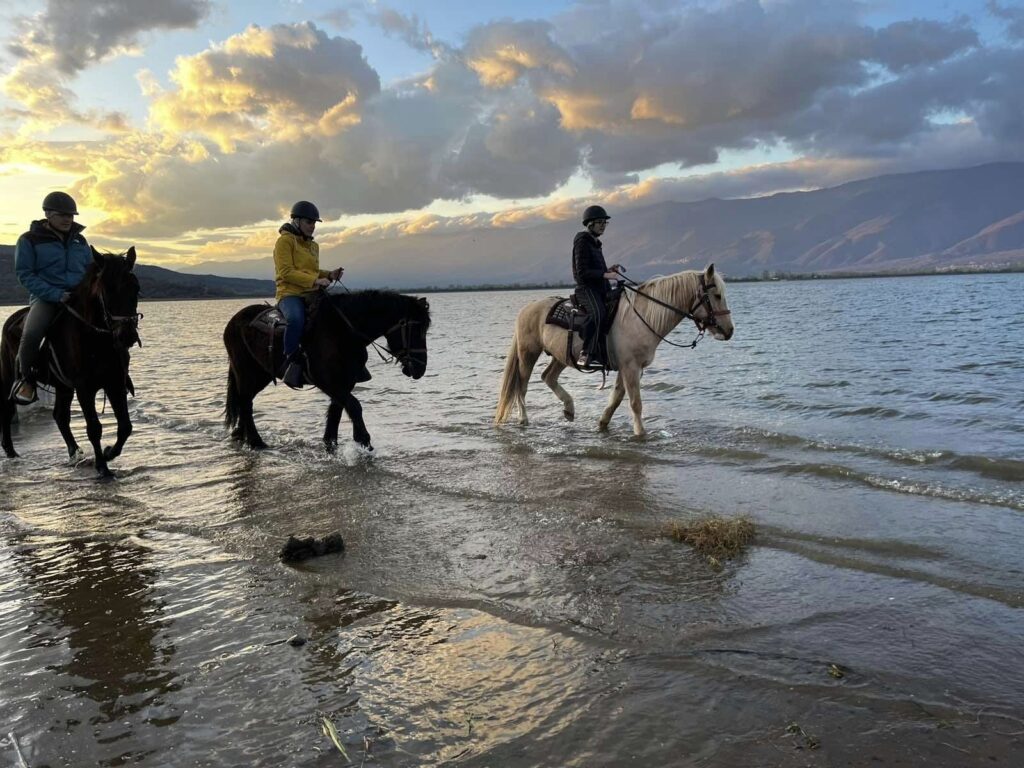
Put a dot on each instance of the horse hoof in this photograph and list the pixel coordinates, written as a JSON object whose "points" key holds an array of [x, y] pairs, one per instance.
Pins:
{"points": [[108, 453], [104, 474], [260, 446], [331, 446], [13, 455], [569, 415]]}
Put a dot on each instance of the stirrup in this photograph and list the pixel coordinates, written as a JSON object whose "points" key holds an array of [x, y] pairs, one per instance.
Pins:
{"points": [[20, 399]]}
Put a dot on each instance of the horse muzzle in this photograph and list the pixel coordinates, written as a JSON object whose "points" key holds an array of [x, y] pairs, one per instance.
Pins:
{"points": [[414, 367]]}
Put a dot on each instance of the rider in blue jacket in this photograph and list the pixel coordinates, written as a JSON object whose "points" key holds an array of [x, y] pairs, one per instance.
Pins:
{"points": [[50, 260]]}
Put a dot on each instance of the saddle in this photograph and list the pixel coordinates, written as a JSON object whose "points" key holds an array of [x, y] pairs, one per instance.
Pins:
{"points": [[569, 314], [50, 372]]}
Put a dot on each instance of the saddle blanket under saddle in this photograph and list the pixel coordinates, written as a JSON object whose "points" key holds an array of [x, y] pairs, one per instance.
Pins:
{"points": [[270, 321], [567, 313]]}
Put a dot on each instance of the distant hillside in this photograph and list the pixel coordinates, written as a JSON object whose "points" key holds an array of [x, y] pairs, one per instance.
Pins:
{"points": [[971, 217], [157, 283]]}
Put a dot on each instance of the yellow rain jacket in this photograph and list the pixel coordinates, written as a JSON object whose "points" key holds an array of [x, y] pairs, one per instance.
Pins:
{"points": [[296, 263]]}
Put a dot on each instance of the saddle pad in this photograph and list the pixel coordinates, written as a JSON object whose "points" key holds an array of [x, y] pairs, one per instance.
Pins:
{"points": [[269, 321], [565, 315]]}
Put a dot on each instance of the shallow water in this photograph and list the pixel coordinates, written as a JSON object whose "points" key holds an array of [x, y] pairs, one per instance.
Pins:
{"points": [[507, 596]]}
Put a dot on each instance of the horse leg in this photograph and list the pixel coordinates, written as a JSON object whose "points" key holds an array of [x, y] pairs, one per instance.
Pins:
{"points": [[249, 431], [550, 377], [62, 417], [331, 428], [618, 391], [94, 429], [6, 419], [119, 402], [632, 381], [354, 409]]}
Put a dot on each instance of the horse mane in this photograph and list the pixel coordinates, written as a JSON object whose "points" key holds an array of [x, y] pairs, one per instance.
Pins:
{"points": [[678, 290], [374, 300]]}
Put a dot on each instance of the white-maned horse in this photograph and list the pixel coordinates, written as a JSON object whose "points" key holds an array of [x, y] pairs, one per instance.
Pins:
{"points": [[642, 321]]}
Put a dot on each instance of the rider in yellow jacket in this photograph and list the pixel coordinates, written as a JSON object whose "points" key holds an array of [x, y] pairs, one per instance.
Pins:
{"points": [[297, 276]]}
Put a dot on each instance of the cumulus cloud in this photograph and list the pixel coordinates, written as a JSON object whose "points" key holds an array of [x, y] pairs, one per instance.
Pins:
{"points": [[612, 88], [67, 36], [72, 34], [267, 84]]}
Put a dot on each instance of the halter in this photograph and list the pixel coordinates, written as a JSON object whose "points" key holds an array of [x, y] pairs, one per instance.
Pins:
{"points": [[701, 300]]}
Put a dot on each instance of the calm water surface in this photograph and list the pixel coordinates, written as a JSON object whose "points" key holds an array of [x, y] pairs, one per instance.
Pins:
{"points": [[507, 597]]}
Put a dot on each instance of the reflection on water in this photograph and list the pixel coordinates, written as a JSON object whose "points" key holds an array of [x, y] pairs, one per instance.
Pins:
{"points": [[507, 597]]}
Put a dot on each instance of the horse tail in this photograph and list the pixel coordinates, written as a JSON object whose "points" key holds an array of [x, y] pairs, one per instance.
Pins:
{"points": [[231, 410], [511, 382]]}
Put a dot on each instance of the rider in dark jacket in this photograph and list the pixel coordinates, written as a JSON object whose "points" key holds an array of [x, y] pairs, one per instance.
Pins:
{"points": [[592, 274], [49, 260]]}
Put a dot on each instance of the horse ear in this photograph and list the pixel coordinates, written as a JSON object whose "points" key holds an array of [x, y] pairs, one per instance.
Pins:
{"points": [[131, 258], [96, 256], [422, 302], [709, 273]]}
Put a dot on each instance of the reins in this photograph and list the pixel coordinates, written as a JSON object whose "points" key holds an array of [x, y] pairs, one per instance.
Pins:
{"points": [[403, 324], [702, 299]]}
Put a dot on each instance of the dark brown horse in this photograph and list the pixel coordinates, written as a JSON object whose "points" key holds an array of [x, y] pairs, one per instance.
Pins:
{"points": [[89, 342], [339, 330]]}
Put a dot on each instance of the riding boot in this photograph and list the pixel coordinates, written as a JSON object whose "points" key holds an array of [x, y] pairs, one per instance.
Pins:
{"points": [[293, 370]]}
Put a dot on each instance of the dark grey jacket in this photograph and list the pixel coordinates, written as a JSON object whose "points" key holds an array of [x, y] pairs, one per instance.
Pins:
{"points": [[588, 265]]}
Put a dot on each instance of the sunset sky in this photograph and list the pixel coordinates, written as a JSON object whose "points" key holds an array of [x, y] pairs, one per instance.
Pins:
{"points": [[188, 127]]}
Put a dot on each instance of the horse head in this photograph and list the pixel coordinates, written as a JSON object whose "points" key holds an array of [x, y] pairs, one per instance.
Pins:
{"points": [[407, 339], [112, 285], [710, 307]]}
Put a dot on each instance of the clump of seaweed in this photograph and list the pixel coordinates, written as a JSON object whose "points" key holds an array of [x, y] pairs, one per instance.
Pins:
{"points": [[296, 550], [716, 538]]}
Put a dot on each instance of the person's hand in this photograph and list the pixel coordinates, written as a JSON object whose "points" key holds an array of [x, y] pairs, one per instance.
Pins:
{"points": [[337, 273], [321, 282], [610, 275], [616, 268]]}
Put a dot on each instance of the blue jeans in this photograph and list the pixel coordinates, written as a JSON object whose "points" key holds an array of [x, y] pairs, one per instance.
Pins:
{"points": [[294, 310]]}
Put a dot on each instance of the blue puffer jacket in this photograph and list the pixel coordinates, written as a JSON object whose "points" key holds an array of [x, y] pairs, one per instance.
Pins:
{"points": [[48, 265]]}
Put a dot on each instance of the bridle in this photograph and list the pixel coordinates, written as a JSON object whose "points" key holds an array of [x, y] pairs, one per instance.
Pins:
{"points": [[701, 301], [404, 355], [112, 324]]}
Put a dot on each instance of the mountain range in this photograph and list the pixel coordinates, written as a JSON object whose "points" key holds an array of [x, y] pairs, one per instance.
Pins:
{"points": [[930, 220], [156, 282], [968, 218]]}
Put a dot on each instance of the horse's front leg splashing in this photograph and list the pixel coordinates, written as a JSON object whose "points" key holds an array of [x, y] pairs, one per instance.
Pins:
{"points": [[94, 429], [119, 402], [354, 409]]}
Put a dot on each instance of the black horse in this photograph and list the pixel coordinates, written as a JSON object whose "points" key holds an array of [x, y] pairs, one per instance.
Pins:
{"points": [[339, 330], [89, 342]]}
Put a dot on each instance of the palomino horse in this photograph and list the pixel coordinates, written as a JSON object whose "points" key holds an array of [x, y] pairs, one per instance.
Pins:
{"points": [[335, 343], [89, 344], [644, 317]]}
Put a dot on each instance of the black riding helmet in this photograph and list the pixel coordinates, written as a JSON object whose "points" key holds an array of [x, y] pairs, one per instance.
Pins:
{"points": [[60, 202], [593, 213], [305, 210]]}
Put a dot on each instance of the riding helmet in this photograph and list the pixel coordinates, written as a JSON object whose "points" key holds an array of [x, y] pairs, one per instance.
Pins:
{"points": [[593, 213], [305, 210], [60, 202]]}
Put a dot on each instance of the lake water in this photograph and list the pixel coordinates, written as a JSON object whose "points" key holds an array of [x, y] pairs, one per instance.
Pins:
{"points": [[508, 596]]}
